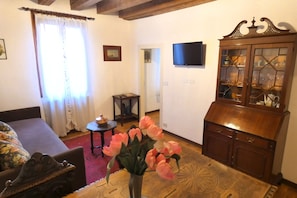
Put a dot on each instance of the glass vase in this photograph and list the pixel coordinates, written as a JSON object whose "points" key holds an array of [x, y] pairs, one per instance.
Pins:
{"points": [[135, 185]]}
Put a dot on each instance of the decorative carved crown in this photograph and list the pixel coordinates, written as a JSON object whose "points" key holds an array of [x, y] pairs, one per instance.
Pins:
{"points": [[270, 30]]}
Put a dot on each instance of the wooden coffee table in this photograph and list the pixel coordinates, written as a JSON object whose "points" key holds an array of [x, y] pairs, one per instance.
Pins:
{"points": [[93, 127]]}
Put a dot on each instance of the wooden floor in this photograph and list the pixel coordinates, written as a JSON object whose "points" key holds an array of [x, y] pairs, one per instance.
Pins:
{"points": [[284, 190]]}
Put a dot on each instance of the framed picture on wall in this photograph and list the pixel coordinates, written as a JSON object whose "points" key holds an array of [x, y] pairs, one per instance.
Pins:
{"points": [[3, 55], [112, 53]]}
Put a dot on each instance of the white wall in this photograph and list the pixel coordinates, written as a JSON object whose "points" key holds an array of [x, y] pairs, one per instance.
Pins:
{"points": [[188, 92], [18, 82], [185, 93]]}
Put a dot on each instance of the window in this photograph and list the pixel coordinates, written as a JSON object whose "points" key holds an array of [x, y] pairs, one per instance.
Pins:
{"points": [[62, 65]]}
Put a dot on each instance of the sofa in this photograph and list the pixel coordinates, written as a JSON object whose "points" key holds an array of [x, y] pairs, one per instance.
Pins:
{"points": [[35, 135]]}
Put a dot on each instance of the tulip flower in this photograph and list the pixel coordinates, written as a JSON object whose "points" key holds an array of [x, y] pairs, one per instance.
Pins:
{"points": [[145, 122], [142, 148], [135, 132], [115, 144], [155, 132], [170, 148], [164, 170]]}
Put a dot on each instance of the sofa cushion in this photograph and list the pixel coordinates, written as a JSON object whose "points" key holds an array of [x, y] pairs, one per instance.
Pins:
{"points": [[9, 138], [44, 138], [6, 128], [12, 155]]}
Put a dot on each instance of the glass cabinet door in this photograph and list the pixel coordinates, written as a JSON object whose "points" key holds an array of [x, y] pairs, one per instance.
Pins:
{"points": [[267, 76], [232, 74]]}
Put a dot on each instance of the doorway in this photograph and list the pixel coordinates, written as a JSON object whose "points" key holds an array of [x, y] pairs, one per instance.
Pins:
{"points": [[150, 72], [152, 79]]}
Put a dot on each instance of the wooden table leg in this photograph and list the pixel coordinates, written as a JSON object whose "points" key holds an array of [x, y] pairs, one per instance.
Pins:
{"points": [[92, 144], [102, 143]]}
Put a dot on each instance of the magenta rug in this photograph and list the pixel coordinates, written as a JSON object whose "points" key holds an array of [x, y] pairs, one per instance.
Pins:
{"points": [[95, 163]]}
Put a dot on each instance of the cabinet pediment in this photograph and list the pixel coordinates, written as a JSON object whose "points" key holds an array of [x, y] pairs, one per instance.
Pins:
{"points": [[253, 30]]}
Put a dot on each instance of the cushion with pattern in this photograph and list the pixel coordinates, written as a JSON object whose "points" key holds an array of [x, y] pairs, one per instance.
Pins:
{"points": [[10, 138], [12, 155], [5, 128]]}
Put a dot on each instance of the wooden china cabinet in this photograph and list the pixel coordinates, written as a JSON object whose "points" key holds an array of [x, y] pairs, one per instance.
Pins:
{"points": [[246, 126]]}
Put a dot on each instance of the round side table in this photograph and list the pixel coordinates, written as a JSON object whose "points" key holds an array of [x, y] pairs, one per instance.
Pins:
{"points": [[93, 127]]}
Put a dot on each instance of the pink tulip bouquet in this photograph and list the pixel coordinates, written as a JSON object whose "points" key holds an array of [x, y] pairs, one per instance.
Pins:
{"points": [[143, 148]]}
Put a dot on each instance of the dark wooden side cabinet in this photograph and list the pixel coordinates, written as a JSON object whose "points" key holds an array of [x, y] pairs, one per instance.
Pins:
{"points": [[247, 139], [246, 126], [126, 103]]}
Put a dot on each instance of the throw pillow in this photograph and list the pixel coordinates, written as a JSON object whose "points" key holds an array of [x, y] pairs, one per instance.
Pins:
{"points": [[10, 138], [5, 128], [12, 155]]}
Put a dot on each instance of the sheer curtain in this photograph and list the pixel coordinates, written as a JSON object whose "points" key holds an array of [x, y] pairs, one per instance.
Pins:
{"points": [[62, 62]]}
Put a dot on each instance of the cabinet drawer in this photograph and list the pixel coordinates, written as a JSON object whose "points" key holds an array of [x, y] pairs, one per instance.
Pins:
{"points": [[219, 129], [255, 141]]}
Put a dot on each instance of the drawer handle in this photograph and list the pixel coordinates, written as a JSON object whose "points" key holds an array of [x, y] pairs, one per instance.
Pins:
{"points": [[220, 131], [250, 140]]}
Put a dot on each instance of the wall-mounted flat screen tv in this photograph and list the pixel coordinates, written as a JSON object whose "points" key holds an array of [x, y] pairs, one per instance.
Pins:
{"points": [[188, 54]]}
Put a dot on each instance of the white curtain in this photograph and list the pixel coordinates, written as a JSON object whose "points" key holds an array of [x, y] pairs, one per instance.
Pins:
{"points": [[62, 61]]}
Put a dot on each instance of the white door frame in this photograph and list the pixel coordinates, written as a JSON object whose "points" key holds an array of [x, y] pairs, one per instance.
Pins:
{"points": [[141, 80]]}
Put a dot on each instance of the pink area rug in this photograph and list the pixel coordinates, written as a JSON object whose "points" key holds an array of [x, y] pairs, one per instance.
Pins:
{"points": [[95, 163]]}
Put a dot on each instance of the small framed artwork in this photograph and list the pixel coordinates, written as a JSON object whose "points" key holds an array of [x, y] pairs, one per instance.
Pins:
{"points": [[112, 53], [3, 55]]}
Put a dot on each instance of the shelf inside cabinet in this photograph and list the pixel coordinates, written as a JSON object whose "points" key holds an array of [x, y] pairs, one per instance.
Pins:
{"points": [[230, 65], [239, 85]]}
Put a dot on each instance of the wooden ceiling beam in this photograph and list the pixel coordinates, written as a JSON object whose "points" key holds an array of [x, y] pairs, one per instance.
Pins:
{"points": [[82, 4], [130, 9], [155, 8], [114, 6], [45, 2]]}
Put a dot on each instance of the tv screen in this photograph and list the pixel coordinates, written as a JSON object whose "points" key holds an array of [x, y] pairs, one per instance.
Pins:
{"points": [[188, 53]]}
